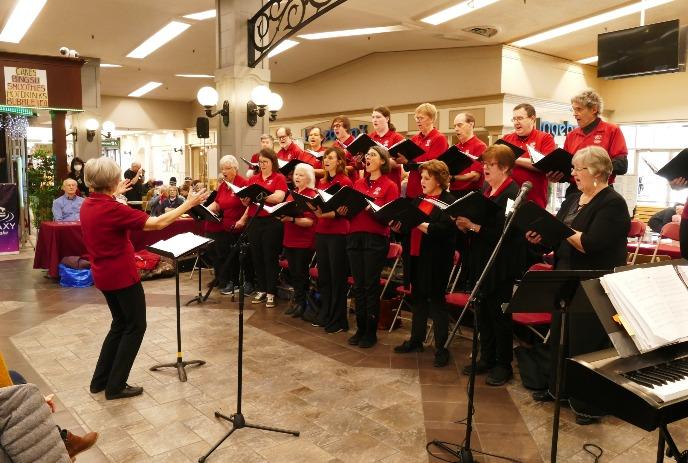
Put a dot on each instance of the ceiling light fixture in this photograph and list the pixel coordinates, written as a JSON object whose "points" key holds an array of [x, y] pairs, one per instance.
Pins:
{"points": [[592, 59], [353, 32], [108, 128], [589, 22], [195, 76], [284, 46], [145, 89], [108, 65], [201, 15], [453, 12], [21, 18], [157, 40]]}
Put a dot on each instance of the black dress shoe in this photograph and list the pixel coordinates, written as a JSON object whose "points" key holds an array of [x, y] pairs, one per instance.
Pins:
{"points": [[499, 375], [96, 390], [355, 339], [408, 346], [441, 358], [128, 391], [583, 420], [542, 396], [481, 367]]}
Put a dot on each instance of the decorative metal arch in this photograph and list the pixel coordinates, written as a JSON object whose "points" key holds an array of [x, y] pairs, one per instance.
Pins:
{"points": [[279, 20]]}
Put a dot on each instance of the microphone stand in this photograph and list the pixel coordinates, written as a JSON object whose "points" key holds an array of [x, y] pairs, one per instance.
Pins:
{"points": [[237, 419], [464, 452]]}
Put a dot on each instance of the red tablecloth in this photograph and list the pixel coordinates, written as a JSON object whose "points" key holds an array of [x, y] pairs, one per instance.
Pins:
{"points": [[672, 250], [59, 239]]}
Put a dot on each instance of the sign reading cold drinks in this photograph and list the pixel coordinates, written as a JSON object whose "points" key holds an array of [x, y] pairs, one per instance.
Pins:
{"points": [[26, 87]]}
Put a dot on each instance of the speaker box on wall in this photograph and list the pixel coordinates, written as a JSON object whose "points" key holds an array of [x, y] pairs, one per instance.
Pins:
{"points": [[202, 127]]}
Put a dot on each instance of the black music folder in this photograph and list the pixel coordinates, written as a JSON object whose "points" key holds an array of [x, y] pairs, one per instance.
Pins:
{"points": [[401, 210], [361, 144], [456, 160], [316, 154], [515, 149], [406, 148], [285, 209], [558, 160], [531, 217], [677, 167], [250, 165], [474, 206], [354, 200], [287, 167], [252, 191], [201, 212]]}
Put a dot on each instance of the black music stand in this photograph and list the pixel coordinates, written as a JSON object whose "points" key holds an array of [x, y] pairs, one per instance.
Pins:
{"points": [[200, 214], [180, 363], [552, 291], [200, 298]]}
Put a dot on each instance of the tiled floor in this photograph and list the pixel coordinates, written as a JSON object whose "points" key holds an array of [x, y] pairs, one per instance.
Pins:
{"points": [[351, 405]]}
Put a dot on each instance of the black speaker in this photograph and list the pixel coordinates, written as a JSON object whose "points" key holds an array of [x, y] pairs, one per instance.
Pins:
{"points": [[202, 127]]}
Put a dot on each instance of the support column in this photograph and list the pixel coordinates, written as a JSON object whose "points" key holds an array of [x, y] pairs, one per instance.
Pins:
{"points": [[59, 145], [234, 81]]}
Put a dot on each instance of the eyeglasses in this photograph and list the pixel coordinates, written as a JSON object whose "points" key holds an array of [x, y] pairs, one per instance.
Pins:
{"points": [[283, 137], [579, 169], [337, 126], [489, 164], [519, 119], [264, 161]]}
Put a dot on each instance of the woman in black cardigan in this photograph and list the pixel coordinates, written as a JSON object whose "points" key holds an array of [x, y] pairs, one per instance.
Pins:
{"points": [[432, 253], [599, 216]]}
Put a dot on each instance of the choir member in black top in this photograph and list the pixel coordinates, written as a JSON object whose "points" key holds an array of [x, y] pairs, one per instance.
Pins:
{"points": [[431, 251], [493, 324]]}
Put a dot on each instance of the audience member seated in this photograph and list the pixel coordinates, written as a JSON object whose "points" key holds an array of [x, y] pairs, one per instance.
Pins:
{"points": [[184, 190], [665, 216], [66, 207], [172, 201]]}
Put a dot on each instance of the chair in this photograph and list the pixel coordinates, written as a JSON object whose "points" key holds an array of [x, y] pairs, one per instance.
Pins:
{"points": [[637, 231], [531, 320], [671, 231]]}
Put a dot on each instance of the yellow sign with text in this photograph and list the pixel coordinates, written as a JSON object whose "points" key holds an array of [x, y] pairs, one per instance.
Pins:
{"points": [[26, 87]]}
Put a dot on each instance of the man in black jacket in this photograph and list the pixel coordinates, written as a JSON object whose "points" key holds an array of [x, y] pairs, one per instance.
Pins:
{"points": [[665, 216]]}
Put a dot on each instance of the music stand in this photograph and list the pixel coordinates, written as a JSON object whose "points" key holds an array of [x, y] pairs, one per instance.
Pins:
{"points": [[182, 254], [201, 213], [553, 291]]}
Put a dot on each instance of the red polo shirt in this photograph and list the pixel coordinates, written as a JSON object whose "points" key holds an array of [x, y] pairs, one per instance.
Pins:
{"points": [[291, 152], [105, 226], [337, 225], [390, 138], [605, 134], [312, 160], [543, 143], [383, 190], [434, 144], [230, 205], [274, 182], [296, 236], [475, 147]]}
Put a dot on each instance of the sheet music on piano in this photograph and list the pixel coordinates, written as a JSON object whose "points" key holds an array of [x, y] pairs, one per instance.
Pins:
{"points": [[179, 245], [651, 304]]}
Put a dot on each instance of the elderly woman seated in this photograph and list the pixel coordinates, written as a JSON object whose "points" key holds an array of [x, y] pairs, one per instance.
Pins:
{"points": [[171, 201]]}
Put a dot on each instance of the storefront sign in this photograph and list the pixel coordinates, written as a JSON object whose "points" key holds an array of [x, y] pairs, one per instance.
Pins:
{"points": [[26, 87], [9, 219], [556, 129]]}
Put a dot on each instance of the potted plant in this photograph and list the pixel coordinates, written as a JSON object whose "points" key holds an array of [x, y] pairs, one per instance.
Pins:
{"points": [[42, 188]]}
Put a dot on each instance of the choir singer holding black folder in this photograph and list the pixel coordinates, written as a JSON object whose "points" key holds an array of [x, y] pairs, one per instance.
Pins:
{"points": [[599, 217], [432, 250]]}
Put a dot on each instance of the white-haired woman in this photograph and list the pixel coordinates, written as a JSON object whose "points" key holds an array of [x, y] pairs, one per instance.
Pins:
{"points": [[105, 226], [230, 208], [299, 240]]}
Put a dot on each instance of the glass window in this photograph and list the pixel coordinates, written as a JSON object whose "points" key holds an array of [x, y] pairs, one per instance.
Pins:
{"points": [[629, 132], [652, 189]]}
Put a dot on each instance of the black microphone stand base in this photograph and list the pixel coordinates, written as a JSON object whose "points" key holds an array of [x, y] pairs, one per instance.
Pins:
{"points": [[464, 455], [238, 422], [180, 365]]}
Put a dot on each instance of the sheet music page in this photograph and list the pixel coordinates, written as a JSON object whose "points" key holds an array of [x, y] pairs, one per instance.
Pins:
{"points": [[535, 155], [234, 188], [374, 206], [325, 195], [436, 202], [281, 163], [652, 167], [180, 244], [315, 154]]}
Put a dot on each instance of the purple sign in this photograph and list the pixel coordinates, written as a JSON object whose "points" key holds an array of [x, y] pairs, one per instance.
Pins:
{"points": [[9, 218]]}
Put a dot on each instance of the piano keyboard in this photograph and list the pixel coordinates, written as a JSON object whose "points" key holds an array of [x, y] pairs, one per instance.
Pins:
{"points": [[667, 381]]}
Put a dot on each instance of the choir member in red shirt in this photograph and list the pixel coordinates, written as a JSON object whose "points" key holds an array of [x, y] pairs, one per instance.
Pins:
{"points": [[432, 251], [229, 207], [386, 134], [265, 234], [315, 139], [330, 246], [593, 131], [299, 240], [288, 149], [266, 141], [367, 246], [341, 126], [105, 226], [430, 140], [471, 179], [525, 134]]}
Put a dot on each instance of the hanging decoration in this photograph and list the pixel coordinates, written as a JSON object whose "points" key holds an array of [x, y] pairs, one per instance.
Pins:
{"points": [[15, 125]]}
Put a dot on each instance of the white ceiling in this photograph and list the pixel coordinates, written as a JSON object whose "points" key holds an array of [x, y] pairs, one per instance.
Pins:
{"points": [[110, 29]]}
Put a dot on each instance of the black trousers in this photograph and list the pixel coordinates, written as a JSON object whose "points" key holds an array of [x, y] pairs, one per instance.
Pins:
{"points": [[128, 309], [495, 327], [265, 239], [333, 270], [299, 259], [427, 301], [367, 254], [225, 271]]}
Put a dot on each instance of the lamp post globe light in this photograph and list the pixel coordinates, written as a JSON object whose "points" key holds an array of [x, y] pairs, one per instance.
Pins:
{"points": [[208, 98]]}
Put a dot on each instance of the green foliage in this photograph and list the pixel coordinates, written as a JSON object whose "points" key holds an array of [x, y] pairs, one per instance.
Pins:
{"points": [[42, 188]]}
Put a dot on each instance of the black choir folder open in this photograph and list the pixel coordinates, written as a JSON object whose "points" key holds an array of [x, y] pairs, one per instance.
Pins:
{"points": [[677, 167], [361, 144], [285, 209], [474, 206], [515, 149], [254, 191], [406, 148], [558, 160], [531, 217], [401, 210], [456, 160], [354, 200]]}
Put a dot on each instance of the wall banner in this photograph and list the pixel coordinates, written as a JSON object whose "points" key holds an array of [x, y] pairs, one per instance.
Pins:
{"points": [[9, 218]]}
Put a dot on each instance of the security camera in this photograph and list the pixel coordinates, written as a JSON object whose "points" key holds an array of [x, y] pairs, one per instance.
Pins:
{"points": [[73, 54], [64, 51]]}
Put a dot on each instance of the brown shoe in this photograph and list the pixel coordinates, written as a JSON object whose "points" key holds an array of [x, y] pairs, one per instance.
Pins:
{"points": [[75, 444]]}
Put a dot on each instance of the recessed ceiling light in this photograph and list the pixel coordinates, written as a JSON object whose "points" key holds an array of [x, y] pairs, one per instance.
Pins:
{"points": [[463, 8], [352, 32], [21, 18], [284, 46], [159, 39], [202, 15], [589, 22], [108, 65], [195, 76], [592, 59], [145, 89]]}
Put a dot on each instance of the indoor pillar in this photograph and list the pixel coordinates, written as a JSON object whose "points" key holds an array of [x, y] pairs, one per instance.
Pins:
{"points": [[59, 145]]}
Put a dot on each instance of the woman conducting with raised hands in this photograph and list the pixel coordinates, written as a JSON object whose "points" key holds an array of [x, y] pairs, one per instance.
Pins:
{"points": [[432, 252], [105, 225]]}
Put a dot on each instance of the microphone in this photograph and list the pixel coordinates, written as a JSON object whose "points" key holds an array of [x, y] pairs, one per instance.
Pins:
{"points": [[522, 193]]}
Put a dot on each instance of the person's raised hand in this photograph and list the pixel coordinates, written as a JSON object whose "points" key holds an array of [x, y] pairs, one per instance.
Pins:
{"points": [[195, 198], [122, 187]]}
